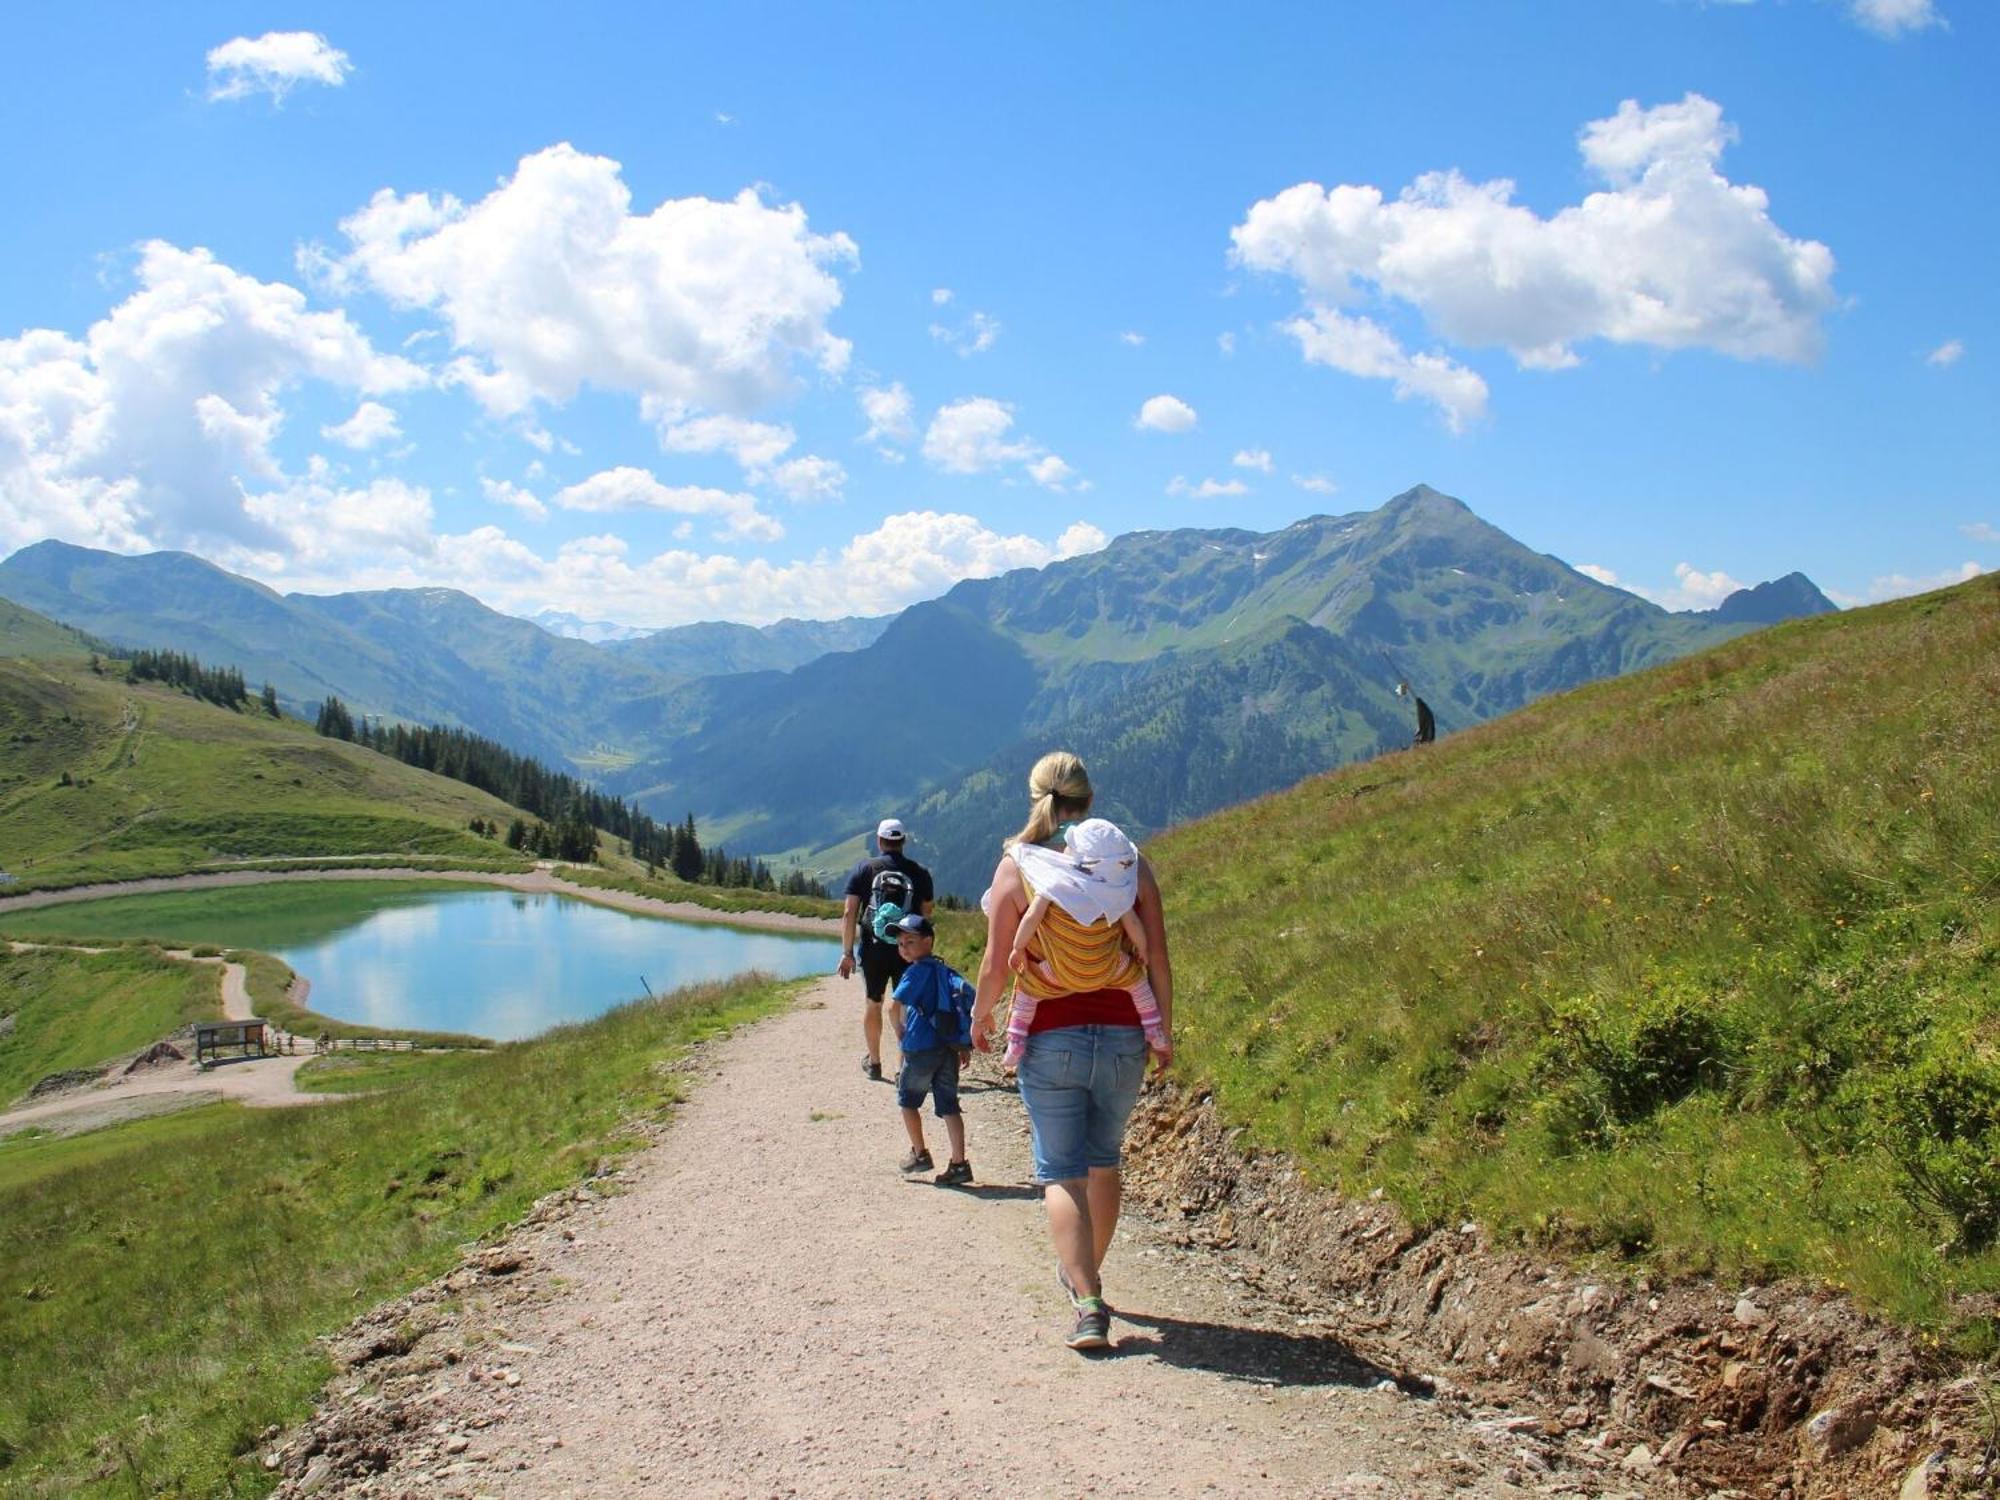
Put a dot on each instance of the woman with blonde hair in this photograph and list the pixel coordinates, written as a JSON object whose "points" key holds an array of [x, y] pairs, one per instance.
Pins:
{"points": [[1086, 1051]]}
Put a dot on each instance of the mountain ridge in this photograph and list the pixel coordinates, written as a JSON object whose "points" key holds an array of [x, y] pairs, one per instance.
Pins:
{"points": [[789, 740]]}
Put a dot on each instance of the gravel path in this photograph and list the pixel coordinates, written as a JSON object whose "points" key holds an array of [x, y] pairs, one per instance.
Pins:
{"points": [[770, 1309]]}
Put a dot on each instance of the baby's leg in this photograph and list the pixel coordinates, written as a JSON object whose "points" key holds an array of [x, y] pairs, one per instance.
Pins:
{"points": [[1019, 1019], [1031, 923], [1149, 1014]]}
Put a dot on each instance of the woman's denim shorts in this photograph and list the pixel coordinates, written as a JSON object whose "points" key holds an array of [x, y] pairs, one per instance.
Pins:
{"points": [[1080, 1083]]}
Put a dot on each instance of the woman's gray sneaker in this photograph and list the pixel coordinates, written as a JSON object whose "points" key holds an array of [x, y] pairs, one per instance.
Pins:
{"points": [[917, 1161], [1093, 1325]]}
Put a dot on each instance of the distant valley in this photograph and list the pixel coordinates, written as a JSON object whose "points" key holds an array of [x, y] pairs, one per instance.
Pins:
{"points": [[1191, 668]]}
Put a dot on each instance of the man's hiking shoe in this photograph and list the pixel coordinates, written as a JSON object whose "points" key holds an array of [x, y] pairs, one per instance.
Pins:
{"points": [[872, 1068], [1093, 1325], [918, 1161], [1062, 1280], [958, 1174]]}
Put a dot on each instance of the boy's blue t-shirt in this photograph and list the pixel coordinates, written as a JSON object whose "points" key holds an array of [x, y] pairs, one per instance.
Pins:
{"points": [[916, 992]]}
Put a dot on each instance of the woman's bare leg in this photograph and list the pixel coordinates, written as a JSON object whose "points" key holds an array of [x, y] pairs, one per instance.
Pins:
{"points": [[1106, 1192], [1070, 1228]]}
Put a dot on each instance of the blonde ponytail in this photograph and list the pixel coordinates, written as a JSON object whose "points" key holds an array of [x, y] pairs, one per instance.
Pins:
{"points": [[1059, 784]]}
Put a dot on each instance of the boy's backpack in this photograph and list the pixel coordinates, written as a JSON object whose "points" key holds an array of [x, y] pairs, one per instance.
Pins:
{"points": [[889, 885], [947, 1005]]}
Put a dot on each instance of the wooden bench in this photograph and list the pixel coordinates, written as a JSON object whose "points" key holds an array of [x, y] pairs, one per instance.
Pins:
{"points": [[211, 1037]]}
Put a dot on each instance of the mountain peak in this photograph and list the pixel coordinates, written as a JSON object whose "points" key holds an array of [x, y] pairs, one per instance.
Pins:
{"points": [[1789, 598], [1423, 497]]}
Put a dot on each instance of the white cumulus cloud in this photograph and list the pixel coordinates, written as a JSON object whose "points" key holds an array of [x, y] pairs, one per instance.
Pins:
{"points": [[1901, 585], [372, 425], [978, 333], [1318, 484], [1253, 458], [627, 488], [891, 423], [149, 429], [1947, 354], [1603, 575], [1051, 473], [1133, 339], [551, 283], [1668, 254], [514, 497], [810, 477], [1891, 18], [1165, 414], [274, 64], [1208, 489], [1981, 531]]}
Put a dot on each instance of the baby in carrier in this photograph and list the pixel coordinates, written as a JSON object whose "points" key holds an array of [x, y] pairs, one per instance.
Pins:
{"points": [[1094, 879]]}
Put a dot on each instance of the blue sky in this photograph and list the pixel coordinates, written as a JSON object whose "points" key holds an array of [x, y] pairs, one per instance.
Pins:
{"points": [[755, 311]]}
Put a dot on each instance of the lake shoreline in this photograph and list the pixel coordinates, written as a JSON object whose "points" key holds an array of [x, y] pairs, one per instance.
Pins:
{"points": [[535, 882]]}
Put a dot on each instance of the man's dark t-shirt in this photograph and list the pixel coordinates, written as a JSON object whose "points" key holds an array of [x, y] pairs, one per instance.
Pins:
{"points": [[863, 877], [881, 964]]}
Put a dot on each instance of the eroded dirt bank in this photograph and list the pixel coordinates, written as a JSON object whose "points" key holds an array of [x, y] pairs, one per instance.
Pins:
{"points": [[1782, 1390]]}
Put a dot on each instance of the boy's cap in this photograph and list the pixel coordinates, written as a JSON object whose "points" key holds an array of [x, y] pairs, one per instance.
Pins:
{"points": [[917, 925], [890, 829]]}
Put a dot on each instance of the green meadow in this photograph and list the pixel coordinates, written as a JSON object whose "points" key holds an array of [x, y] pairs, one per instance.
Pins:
{"points": [[1697, 969], [101, 779], [164, 1281], [67, 1010]]}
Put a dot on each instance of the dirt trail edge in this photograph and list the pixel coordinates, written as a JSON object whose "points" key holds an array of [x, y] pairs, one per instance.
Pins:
{"points": [[537, 881], [768, 1308]]}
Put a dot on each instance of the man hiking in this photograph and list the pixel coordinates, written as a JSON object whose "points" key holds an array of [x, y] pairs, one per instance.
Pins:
{"points": [[889, 879]]}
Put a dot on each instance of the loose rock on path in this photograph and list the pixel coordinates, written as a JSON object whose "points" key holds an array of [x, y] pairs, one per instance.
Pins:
{"points": [[769, 1308]]}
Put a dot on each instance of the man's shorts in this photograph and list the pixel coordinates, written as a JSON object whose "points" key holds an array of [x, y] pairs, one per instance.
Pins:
{"points": [[1079, 1084], [933, 1071], [881, 967]]}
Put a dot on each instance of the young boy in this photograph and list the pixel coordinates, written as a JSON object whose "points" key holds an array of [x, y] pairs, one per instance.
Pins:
{"points": [[933, 1030]]}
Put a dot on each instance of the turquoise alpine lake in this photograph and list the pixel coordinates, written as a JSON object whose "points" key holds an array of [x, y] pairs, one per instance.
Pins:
{"points": [[504, 965]]}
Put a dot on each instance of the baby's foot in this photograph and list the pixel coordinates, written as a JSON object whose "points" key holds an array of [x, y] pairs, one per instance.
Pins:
{"points": [[1156, 1038]]}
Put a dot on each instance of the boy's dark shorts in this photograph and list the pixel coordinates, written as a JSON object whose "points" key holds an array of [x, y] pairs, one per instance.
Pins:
{"points": [[934, 1071], [881, 967]]}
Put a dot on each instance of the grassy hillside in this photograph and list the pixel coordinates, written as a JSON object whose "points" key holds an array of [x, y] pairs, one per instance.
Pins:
{"points": [[25, 633], [60, 1011], [101, 779], [1701, 965], [160, 1311]]}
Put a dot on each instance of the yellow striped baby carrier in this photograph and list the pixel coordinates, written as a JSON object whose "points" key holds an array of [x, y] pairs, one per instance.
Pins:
{"points": [[1081, 958]]}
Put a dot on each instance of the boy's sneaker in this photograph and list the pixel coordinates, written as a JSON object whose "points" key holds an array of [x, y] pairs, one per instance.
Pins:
{"points": [[872, 1068], [1093, 1325], [958, 1174], [918, 1161]]}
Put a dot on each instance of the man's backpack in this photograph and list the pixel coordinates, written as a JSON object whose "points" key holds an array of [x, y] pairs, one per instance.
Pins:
{"points": [[889, 885]]}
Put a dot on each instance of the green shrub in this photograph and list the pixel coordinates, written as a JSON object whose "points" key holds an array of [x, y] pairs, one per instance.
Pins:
{"points": [[1940, 1124]]}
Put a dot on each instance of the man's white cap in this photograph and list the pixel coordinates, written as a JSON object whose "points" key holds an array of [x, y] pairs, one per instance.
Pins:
{"points": [[891, 829]]}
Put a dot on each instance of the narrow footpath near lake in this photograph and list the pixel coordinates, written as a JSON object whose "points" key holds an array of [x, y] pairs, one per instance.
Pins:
{"points": [[769, 1308]]}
